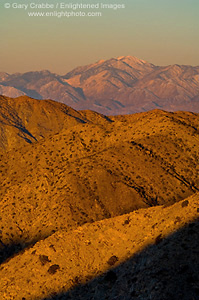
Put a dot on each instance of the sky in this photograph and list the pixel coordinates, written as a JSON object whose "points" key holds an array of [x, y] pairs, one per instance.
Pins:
{"points": [[162, 32]]}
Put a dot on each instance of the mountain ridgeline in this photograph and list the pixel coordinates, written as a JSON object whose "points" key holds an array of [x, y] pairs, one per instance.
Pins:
{"points": [[122, 85]]}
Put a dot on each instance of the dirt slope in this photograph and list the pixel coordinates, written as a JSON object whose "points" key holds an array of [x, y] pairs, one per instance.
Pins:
{"points": [[89, 172], [63, 261]]}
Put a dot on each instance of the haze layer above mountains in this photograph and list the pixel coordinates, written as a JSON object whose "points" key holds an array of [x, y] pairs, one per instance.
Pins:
{"points": [[122, 85]]}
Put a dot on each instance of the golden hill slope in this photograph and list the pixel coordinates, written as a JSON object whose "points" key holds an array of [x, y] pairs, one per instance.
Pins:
{"points": [[165, 241], [93, 171], [28, 120], [25, 120]]}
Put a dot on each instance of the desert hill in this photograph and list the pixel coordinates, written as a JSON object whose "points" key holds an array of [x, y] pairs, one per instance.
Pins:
{"points": [[97, 207], [93, 168], [121, 85], [25, 120], [148, 254]]}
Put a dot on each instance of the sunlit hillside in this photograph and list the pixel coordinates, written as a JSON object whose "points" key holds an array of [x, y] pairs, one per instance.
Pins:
{"points": [[81, 192]]}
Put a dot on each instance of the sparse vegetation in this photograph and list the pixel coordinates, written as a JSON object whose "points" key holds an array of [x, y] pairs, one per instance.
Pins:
{"points": [[53, 269], [86, 171]]}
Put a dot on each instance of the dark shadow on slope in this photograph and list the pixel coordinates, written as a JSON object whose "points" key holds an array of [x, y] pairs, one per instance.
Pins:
{"points": [[17, 246], [8, 251], [31, 93], [24, 132], [166, 270], [80, 92]]}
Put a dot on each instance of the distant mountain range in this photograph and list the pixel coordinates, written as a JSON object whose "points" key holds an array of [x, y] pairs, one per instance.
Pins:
{"points": [[120, 85]]}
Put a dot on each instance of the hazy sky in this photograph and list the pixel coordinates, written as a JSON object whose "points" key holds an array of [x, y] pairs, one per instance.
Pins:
{"points": [[160, 31]]}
